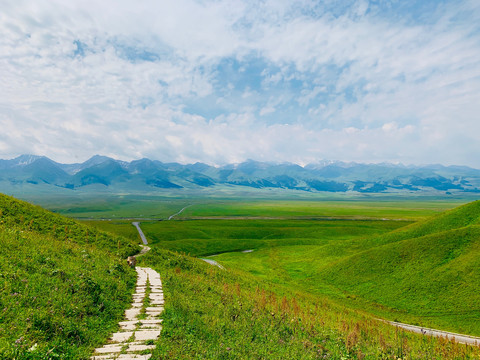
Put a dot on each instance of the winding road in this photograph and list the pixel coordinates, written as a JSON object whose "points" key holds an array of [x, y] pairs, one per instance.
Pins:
{"points": [[459, 338]]}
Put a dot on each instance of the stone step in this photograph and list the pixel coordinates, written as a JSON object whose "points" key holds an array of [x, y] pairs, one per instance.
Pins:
{"points": [[134, 357], [133, 328]]}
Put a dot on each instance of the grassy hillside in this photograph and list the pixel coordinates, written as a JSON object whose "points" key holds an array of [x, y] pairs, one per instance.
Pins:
{"points": [[226, 314], [429, 270], [465, 215], [63, 285], [425, 273]]}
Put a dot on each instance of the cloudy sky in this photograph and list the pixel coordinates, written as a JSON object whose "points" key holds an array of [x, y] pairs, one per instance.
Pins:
{"points": [[225, 81]]}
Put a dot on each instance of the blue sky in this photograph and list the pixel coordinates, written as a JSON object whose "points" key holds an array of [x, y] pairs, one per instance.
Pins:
{"points": [[221, 81]]}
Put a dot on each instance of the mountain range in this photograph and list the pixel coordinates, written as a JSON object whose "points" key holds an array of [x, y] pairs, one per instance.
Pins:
{"points": [[101, 172]]}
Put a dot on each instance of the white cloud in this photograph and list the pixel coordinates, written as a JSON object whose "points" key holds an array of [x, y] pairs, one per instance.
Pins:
{"points": [[117, 78]]}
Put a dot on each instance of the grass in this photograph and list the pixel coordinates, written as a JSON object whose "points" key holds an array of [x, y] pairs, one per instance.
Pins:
{"points": [[429, 270], [63, 286], [215, 314], [264, 204], [207, 237], [112, 206], [307, 291], [423, 273], [426, 273], [345, 207], [122, 228]]}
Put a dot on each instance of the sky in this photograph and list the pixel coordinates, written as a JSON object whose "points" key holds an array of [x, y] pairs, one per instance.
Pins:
{"points": [[225, 81]]}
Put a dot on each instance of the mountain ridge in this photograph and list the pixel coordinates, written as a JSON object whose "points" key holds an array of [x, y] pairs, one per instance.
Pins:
{"points": [[325, 176]]}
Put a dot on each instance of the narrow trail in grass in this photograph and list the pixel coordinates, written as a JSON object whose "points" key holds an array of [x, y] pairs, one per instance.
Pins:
{"points": [[459, 338], [141, 327], [178, 213], [213, 262], [140, 232]]}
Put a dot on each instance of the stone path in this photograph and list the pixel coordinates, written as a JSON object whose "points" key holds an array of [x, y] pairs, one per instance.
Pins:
{"points": [[141, 327]]}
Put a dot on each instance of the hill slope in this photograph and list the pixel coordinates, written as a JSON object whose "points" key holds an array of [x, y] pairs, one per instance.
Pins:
{"points": [[226, 314], [429, 270], [63, 285]]}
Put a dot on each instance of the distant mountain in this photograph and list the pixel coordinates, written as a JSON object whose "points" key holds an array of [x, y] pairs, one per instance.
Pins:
{"points": [[101, 172]]}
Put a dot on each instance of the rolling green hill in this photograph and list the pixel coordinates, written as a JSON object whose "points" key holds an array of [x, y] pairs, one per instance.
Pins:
{"points": [[63, 285], [428, 271]]}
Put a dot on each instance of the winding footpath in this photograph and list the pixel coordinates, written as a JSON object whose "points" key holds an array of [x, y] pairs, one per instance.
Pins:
{"points": [[141, 328], [178, 213], [140, 232]]}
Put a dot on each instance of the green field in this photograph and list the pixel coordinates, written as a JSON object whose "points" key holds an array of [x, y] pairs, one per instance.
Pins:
{"points": [[357, 207], [111, 206], [316, 274], [328, 257], [208, 237], [105, 206]]}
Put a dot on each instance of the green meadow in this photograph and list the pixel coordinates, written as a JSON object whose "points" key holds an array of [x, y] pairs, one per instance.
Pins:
{"points": [[303, 278], [382, 257], [350, 207]]}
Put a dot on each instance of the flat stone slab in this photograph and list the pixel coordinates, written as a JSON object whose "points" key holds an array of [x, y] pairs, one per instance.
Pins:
{"points": [[154, 308], [134, 357], [131, 314], [119, 337], [153, 314], [133, 348], [128, 325], [103, 357], [150, 321], [147, 335], [109, 349]]}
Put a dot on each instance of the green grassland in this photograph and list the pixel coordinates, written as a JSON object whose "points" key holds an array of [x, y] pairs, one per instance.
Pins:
{"points": [[423, 273], [426, 273], [319, 274], [229, 314], [119, 227], [207, 237], [111, 206], [345, 207], [63, 286], [308, 205]]}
